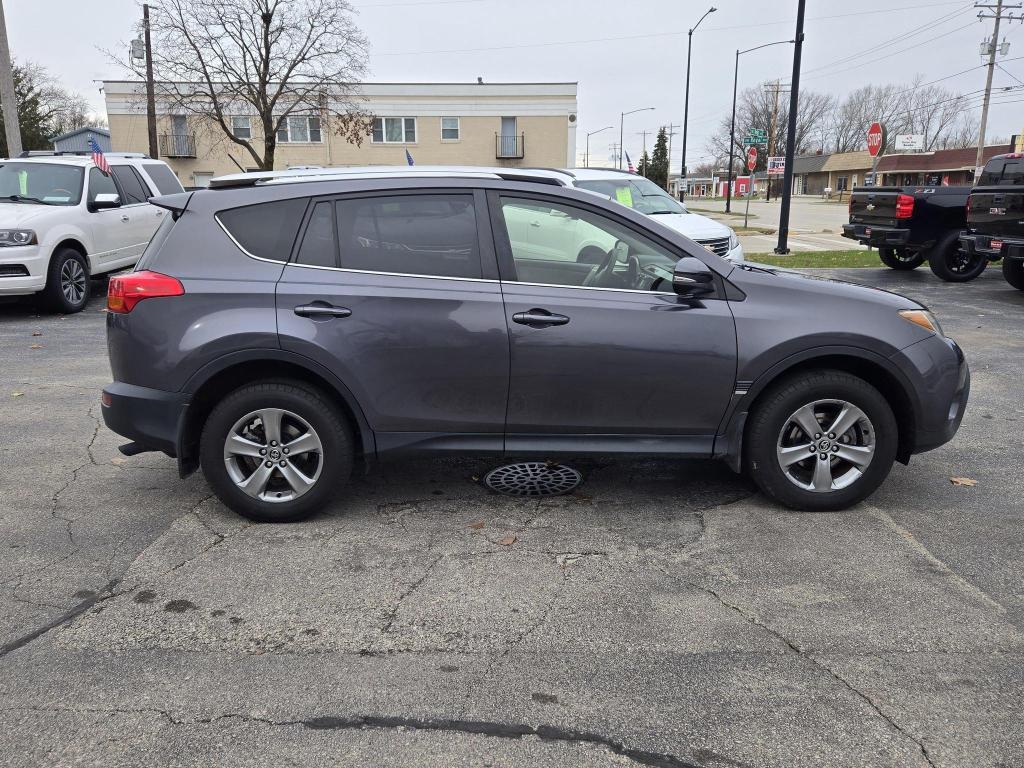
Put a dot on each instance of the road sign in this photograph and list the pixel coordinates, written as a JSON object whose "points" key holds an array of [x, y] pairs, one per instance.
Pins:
{"points": [[751, 158], [776, 166], [905, 141], [876, 139]]}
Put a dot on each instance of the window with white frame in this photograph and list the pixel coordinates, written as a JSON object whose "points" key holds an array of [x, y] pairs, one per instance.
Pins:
{"points": [[299, 129], [394, 130], [450, 129], [241, 127]]}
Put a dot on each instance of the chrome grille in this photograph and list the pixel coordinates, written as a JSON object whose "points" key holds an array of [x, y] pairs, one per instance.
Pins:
{"points": [[717, 245]]}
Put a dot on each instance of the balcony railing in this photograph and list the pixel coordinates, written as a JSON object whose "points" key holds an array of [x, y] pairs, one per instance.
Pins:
{"points": [[177, 145], [509, 147]]}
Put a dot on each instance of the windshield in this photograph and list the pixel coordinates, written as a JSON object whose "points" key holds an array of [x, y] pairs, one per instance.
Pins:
{"points": [[638, 193], [40, 183]]}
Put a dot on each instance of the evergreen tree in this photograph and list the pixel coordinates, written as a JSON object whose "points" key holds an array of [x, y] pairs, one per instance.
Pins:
{"points": [[644, 168], [659, 160]]}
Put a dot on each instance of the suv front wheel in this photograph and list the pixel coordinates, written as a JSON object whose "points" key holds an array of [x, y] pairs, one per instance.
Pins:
{"points": [[67, 282], [276, 451], [821, 441]]}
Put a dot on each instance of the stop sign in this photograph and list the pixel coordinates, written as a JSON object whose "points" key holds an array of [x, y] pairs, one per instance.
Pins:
{"points": [[876, 139], [751, 158]]}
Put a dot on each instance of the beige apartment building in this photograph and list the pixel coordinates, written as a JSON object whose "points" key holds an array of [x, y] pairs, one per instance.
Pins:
{"points": [[491, 124]]}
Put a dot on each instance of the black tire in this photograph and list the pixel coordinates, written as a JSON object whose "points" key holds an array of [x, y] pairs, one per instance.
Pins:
{"points": [[765, 434], [300, 400], [900, 258], [67, 282], [951, 264], [1013, 271]]}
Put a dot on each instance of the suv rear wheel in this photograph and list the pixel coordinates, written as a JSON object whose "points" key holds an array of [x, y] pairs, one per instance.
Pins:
{"points": [[821, 441], [1013, 271], [276, 451], [900, 258], [953, 265], [67, 282]]}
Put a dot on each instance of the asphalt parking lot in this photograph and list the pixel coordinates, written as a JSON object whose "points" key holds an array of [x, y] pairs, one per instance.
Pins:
{"points": [[663, 615]]}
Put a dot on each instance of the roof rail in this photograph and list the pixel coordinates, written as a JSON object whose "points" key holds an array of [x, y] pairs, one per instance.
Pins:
{"points": [[259, 178], [566, 171], [79, 153]]}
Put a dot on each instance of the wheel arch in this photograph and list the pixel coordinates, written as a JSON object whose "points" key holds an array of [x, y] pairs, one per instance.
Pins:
{"points": [[215, 380], [881, 373], [76, 245]]}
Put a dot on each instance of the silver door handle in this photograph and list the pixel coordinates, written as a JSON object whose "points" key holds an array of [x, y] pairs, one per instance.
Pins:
{"points": [[324, 311], [159, 213], [124, 218]]}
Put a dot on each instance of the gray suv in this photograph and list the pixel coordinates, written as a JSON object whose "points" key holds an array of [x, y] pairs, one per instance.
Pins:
{"points": [[282, 326]]}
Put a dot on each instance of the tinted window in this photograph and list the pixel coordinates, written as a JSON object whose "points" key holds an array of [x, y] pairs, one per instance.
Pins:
{"points": [[414, 234], [101, 184], [53, 184], [1002, 172], [164, 178], [318, 248], [266, 230], [556, 244], [134, 191]]}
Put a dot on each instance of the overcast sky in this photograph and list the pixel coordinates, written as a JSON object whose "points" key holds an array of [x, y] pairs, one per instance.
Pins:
{"points": [[625, 54]]}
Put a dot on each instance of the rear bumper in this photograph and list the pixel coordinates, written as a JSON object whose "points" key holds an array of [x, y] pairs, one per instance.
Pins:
{"points": [[150, 417], [972, 243], [879, 237]]}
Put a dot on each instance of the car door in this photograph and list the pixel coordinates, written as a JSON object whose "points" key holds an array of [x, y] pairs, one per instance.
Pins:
{"points": [[138, 218], [398, 295], [106, 224], [617, 355]]}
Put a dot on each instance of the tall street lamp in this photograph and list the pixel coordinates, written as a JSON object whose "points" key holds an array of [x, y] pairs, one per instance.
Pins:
{"points": [[732, 128], [622, 122], [686, 105], [586, 160]]}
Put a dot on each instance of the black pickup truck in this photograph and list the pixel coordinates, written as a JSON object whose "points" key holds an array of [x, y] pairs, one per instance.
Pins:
{"points": [[911, 224], [995, 217]]}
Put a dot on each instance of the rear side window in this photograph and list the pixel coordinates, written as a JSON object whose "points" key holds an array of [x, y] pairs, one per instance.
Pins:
{"points": [[432, 235], [318, 248], [163, 177], [155, 243], [266, 230], [1002, 173], [134, 190]]}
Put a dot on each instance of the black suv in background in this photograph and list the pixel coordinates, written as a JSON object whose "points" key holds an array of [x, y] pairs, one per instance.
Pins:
{"points": [[282, 326], [995, 217], [911, 224]]}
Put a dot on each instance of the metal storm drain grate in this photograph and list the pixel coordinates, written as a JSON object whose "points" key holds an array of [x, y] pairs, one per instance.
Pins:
{"points": [[533, 478]]}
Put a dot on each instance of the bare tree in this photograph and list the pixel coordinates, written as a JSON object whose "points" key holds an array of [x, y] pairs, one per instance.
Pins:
{"points": [[267, 59]]}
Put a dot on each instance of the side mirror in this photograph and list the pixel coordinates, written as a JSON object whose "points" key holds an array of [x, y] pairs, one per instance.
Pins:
{"points": [[692, 278], [105, 200]]}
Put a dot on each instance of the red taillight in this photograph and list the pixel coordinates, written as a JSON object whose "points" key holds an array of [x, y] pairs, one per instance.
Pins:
{"points": [[128, 290], [904, 206]]}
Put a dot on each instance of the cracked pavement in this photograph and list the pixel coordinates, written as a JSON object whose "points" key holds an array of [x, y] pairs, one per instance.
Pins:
{"points": [[663, 615]]}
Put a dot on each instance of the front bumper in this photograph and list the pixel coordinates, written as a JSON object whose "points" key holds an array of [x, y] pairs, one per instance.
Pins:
{"points": [[971, 244], [942, 379], [735, 256], [22, 270], [878, 237], [151, 417]]}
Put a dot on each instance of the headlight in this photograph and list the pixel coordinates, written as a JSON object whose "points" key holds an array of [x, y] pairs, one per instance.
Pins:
{"points": [[734, 241], [924, 318], [10, 237]]}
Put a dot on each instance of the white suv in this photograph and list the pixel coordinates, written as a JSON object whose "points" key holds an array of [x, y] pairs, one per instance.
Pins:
{"points": [[62, 221], [644, 196]]}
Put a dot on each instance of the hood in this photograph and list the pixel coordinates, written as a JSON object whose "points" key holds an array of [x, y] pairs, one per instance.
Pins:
{"points": [[18, 215], [826, 286], [694, 226]]}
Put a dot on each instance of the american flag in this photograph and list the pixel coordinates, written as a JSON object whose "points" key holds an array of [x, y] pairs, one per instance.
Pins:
{"points": [[629, 164], [97, 156]]}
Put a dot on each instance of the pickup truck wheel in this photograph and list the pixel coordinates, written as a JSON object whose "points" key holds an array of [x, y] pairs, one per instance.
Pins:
{"points": [[1013, 271], [67, 282], [900, 258], [951, 264], [821, 440]]}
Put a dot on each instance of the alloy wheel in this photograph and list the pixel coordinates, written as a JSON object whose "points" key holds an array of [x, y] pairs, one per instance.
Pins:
{"points": [[273, 455], [825, 445], [73, 281]]}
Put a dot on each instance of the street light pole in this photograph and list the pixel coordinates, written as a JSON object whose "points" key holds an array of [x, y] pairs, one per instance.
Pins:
{"points": [[622, 123], [794, 102], [732, 127], [150, 95], [686, 103], [586, 161]]}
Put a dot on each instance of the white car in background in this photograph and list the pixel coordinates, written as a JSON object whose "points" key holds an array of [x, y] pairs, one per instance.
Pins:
{"points": [[644, 196], [62, 221]]}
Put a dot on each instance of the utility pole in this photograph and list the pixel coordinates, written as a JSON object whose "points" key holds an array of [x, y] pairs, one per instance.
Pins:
{"points": [[10, 99], [670, 131], [644, 134], [794, 100], [996, 12], [150, 95]]}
